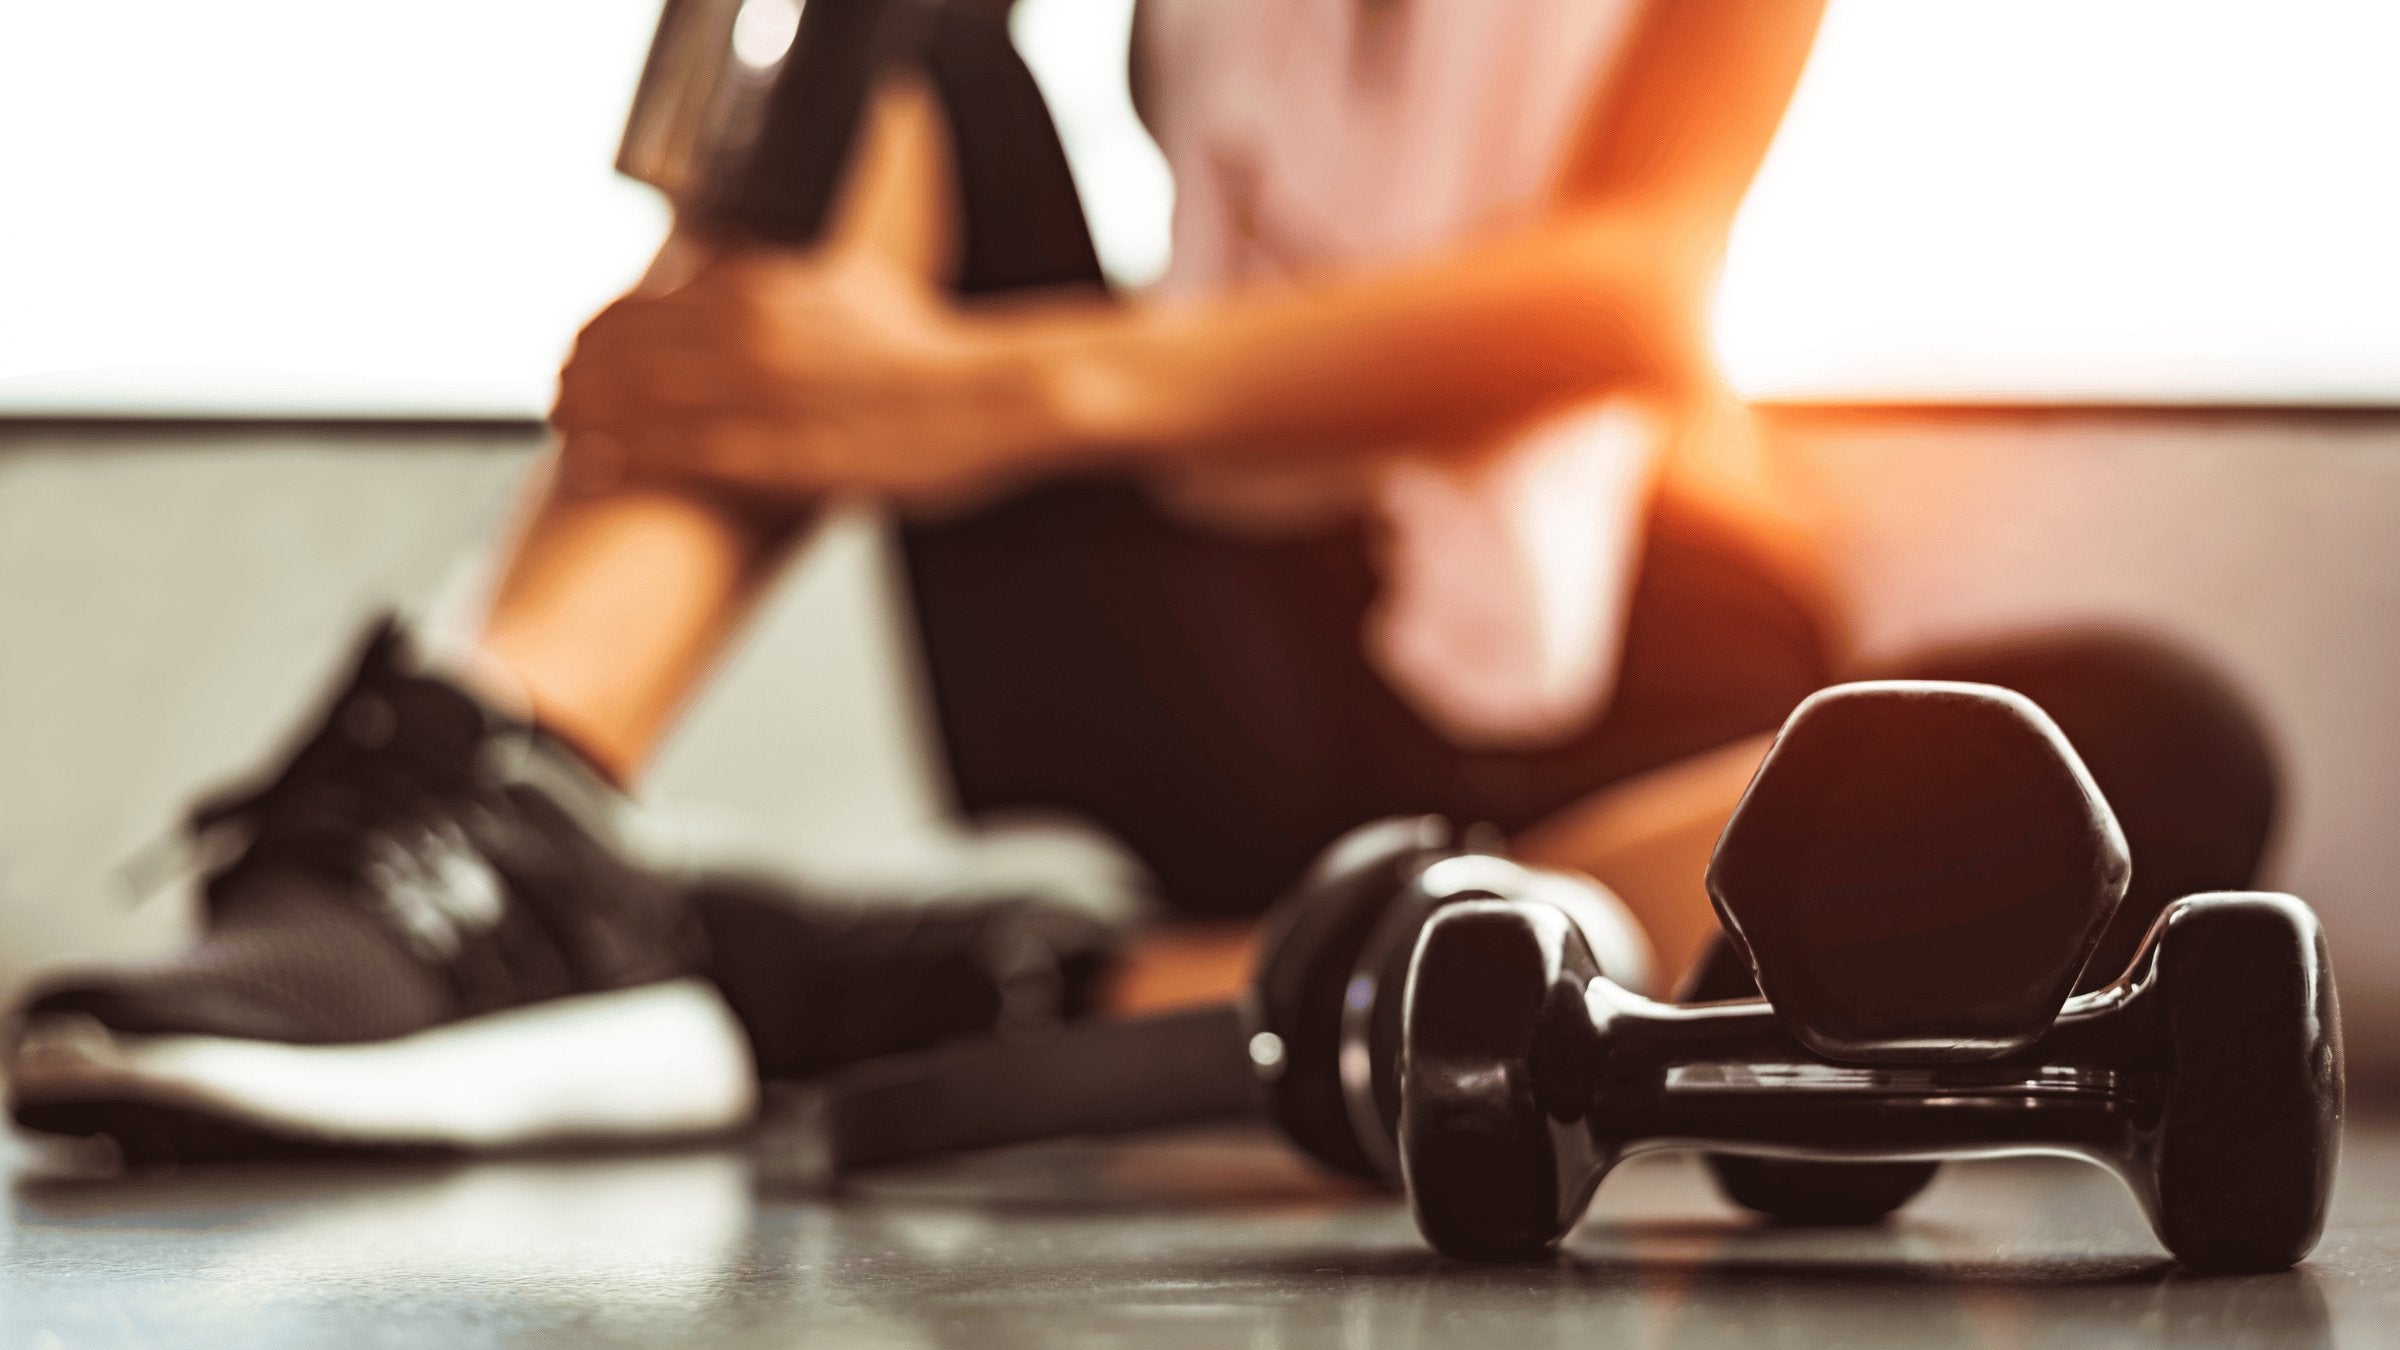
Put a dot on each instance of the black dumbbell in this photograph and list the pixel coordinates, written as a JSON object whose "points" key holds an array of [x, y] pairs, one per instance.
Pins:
{"points": [[1916, 877], [1314, 1045], [747, 114], [1796, 1192]]}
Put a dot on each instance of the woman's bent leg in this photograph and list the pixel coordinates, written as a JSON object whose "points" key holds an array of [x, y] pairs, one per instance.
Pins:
{"points": [[2180, 754], [612, 609], [614, 605]]}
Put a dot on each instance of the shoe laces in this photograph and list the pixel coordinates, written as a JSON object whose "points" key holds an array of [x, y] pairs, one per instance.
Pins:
{"points": [[394, 821]]}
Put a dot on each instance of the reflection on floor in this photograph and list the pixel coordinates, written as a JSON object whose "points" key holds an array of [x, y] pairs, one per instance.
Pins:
{"points": [[1205, 1238]]}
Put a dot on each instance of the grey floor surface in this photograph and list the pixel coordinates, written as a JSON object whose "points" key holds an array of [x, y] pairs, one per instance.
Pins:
{"points": [[1207, 1238]]}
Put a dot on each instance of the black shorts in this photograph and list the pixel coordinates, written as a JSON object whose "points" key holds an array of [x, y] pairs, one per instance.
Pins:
{"points": [[1208, 698]]}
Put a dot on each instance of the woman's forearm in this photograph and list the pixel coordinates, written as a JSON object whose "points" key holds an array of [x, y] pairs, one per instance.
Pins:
{"points": [[839, 370], [1606, 292], [1445, 352]]}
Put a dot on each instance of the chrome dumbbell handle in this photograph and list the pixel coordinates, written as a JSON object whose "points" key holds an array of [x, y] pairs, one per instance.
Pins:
{"points": [[2208, 1077], [747, 110]]}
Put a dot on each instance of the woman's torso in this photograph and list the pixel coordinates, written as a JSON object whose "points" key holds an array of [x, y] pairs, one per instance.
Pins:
{"points": [[1310, 139]]}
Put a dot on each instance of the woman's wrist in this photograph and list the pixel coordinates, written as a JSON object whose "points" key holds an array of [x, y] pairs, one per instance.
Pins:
{"points": [[1072, 384]]}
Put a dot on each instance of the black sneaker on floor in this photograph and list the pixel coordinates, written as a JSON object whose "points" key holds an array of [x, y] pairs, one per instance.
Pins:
{"points": [[429, 939], [425, 940]]}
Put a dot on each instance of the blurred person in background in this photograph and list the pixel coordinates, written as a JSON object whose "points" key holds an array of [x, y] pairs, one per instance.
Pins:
{"points": [[1413, 488]]}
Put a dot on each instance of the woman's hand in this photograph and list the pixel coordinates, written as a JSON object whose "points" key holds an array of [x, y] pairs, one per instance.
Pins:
{"points": [[806, 374]]}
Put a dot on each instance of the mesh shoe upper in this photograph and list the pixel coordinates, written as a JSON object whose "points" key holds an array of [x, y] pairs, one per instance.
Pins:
{"points": [[418, 859]]}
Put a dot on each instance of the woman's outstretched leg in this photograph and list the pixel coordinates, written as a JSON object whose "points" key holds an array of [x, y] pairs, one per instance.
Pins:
{"points": [[427, 872]]}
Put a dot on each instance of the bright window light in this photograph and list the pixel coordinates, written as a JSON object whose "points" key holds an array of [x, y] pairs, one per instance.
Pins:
{"points": [[2144, 200], [293, 207]]}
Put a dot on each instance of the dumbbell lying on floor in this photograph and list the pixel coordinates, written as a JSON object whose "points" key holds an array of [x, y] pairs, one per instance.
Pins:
{"points": [[1916, 877], [1314, 1045]]}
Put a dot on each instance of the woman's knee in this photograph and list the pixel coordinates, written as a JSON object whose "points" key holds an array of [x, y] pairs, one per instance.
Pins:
{"points": [[2179, 750]]}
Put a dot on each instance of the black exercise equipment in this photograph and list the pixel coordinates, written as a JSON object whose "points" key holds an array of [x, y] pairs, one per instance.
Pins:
{"points": [[1915, 878], [1313, 1045]]}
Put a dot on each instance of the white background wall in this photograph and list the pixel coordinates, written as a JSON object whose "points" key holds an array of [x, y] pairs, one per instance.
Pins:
{"points": [[169, 602]]}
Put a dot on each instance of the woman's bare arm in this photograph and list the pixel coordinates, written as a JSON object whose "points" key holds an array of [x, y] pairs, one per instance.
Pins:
{"points": [[833, 374], [1607, 290]]}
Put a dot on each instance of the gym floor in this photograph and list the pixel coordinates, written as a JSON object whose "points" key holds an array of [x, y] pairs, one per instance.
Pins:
{"points": [[1208, 1237]]}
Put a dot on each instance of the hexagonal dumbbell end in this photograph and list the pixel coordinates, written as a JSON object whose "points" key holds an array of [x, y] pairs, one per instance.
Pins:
{"points": [[1918, 872]]}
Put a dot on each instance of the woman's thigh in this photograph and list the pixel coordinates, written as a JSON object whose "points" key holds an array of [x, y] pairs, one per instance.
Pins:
{"points": [[1209, 699], [2179, 752]]}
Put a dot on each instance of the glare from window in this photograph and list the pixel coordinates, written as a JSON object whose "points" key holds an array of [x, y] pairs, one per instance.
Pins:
{"points": [[264, 206], [763, 31], [2145, 200]]}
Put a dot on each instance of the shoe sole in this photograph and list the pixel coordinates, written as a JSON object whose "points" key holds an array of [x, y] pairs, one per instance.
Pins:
{"points": [[659, 1061]]}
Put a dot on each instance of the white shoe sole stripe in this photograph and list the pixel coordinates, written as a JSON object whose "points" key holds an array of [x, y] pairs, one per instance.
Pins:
{"points": [[660, 1060]]}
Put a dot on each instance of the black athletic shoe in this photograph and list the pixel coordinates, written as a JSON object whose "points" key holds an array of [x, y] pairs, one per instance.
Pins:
{"points": [[425, 939], [429, 939]]}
